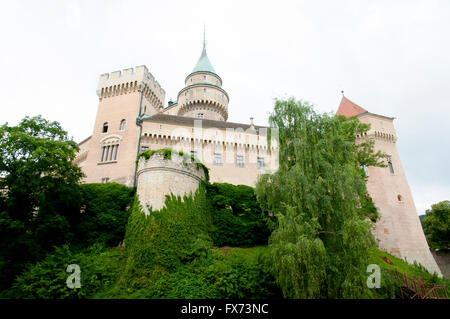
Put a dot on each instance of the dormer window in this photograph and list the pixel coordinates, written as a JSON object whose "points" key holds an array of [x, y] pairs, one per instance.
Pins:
{"points": [[105, 127], [122, 124], [200, 115]]}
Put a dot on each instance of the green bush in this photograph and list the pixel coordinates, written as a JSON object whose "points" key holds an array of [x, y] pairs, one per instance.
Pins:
{"points": [[238, 273], [47, 278], [237, 217], [105, 216]]}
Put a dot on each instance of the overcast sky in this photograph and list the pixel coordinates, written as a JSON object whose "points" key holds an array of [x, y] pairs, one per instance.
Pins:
{"points": [[390, 57]]}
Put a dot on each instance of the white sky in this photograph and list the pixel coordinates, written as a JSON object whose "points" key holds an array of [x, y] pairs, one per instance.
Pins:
{"points": [[390, 57]]}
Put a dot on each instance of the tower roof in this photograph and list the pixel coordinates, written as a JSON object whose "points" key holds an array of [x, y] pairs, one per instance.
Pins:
{"points": [[348, 108], [203, 63]]}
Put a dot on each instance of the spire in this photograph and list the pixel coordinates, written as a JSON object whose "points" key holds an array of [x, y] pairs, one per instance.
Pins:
{"points": [[348, 108], [203, 64], [204, 37]]}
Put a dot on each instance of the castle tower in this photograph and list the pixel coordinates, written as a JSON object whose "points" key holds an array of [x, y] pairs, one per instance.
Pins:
{"points": [[398, 230], [203, 96], [158, 176], [111, 150]]}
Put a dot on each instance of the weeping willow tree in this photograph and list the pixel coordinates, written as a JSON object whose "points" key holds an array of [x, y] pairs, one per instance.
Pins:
{"points": [[322, 237]]}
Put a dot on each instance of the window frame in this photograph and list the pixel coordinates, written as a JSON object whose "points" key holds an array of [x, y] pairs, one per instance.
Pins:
{"points": [[390, 165], [218, 161], [258, 162], [240, 160], [123, 125]]}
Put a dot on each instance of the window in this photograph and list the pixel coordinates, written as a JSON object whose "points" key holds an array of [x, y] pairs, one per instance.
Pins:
{"points": [[260, 162], [194, 153], [200, 115], [391, 168], [105, 127], [109, 153], [217, 158], [105, 180], [204, 77], [239, 160], [399, 197], [204, 90], [144, 148], [365, 169], [122, 125]]}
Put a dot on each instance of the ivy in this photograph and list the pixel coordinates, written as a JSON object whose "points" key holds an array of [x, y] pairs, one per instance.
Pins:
{"points": [[167, 154]]}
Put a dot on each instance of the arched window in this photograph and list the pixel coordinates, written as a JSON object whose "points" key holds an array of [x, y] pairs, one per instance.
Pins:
{"points": [[391, 167], [122, 124], [399, 197], [110, 149], [105, 127], [109, 153]]}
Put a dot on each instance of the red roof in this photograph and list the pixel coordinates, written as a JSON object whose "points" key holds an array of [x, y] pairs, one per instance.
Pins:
{"points": [[348, 108]]}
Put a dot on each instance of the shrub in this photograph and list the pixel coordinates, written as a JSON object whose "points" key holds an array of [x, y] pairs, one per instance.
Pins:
{"points": [[105, 216], [239, 273], [237, 216], [47, 279]]}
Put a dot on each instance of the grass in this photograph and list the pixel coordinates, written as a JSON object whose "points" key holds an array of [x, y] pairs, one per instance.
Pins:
{"points": [[415, 271], [250, 255]]}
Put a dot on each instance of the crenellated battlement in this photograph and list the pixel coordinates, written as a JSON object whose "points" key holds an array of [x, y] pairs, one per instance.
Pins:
{"points": [[131, 80]]}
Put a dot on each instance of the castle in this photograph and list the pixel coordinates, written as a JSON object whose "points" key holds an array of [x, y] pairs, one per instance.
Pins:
{"points": [[132, 118]]}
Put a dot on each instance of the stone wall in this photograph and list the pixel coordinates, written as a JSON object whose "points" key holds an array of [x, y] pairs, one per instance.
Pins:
{"points": [[398, 231], [159, 176]]}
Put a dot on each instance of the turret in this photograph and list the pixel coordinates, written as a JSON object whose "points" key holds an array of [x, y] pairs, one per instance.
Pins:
{"points": [[203, 96]]}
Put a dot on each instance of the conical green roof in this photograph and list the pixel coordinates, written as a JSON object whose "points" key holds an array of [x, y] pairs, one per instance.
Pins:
{"points": [[204, 64]]}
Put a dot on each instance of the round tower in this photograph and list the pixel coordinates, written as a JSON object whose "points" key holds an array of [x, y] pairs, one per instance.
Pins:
{"points": [[203, 96], [166, 172]]}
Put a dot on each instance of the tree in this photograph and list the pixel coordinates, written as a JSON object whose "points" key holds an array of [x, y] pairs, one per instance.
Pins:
{"points": [[437, 225], [236, 216], [39, 197], [322, 239], [106, 208]]}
